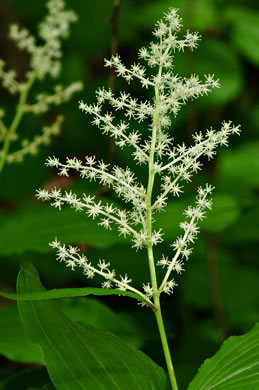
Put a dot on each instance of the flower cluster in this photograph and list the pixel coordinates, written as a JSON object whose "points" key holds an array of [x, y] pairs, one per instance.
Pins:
{"points": [[184, 161], [45, 59], [168, 163], [107, 214], [182, 244], [32, 147], [72, 257]]}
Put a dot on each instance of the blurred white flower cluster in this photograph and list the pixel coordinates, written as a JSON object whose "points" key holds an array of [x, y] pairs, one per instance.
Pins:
{"points": [[44, 60], [171, 165]]}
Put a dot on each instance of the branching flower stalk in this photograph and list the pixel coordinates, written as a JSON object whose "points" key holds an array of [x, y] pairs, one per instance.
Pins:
{"points": [[167, 163], [45, 60]]}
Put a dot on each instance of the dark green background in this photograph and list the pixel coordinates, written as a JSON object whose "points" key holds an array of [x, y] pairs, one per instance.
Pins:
{"points": [[218, 293]]}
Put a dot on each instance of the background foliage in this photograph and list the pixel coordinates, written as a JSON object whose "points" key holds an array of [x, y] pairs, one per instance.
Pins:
{"points": [[218, 293]]}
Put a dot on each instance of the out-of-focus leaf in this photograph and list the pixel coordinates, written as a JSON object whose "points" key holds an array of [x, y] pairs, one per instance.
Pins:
{"points": [[231, 276], [218, 58], [18, 181], [238, 169], [234, 367], [33, 229], [82, 357], [246, 231], [245, 31], [237, 299], [44, 387], [202, 13], [212, 57], [225, 212], [196, 278], [100, 27], [35, 378]]}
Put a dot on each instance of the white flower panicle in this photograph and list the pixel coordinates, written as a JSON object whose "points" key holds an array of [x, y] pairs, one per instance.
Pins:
{"points": [[171, 164], [107, 214], [182, 244], [61, 95], [32, 147], [45, 59], [72, 257], [123, 181]]}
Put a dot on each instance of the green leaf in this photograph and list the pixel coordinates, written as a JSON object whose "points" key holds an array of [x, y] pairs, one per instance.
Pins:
{"points": [[101, 316], [82, 357], [14, 344], [33, 229], [234, 367], [66, 293]]}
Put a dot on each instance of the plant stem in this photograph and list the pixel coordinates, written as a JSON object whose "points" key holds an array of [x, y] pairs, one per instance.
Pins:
{"points": [[159, 320], [152, 269], [167, 354], [16, 121]]}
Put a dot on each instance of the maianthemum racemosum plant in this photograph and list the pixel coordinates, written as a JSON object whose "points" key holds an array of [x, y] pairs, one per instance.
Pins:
{"points": [[44, 60], [170, 164]]}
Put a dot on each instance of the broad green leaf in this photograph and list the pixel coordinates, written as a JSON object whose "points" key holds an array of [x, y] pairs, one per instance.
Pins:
{"points": [[101, 316], [33, 229], [15, 345], [234, 367], [83, 357]]}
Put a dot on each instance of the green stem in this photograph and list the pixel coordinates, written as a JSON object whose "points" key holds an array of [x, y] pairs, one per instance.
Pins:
{"points": [[16, 121], [159, 320], [167, 354], [152, 269]]}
